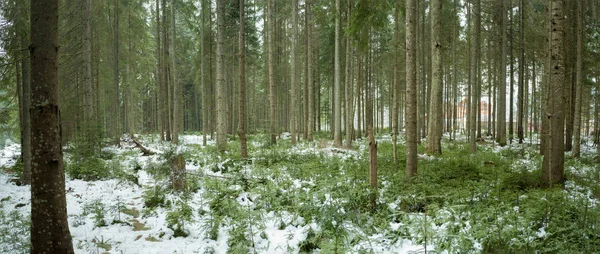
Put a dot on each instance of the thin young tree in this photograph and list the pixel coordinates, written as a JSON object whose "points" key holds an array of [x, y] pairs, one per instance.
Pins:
{"points": [[176, 88], [293, 81], [396, 99], [221, 85], [309, 73], [579, 82], [411, 89], [117, 101], [242, 84], [49, 225], [521, 97], [434, 130], [349, 82], [271, 65], [475, 80]]}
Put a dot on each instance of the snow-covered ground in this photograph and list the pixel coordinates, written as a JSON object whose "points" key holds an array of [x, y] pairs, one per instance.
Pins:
{"points": [[133, 228], [129, 230]]}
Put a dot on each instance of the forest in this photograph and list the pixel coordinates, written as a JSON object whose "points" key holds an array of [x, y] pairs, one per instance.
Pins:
{"points": [[299, 126]]}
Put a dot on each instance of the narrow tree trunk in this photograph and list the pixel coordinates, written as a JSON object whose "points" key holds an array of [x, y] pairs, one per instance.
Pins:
{"points": [[511, 75], [49, 225], [579, 83], [475, 81], [26, 115], [395, 102], [521, 97], [117, 102], [349, 83], [411, 89], [242, 84], [176, 88], [221, 85], [337, 93], [204, 84], [293, 81], [311, 96], [272, 93], [501, 136]]}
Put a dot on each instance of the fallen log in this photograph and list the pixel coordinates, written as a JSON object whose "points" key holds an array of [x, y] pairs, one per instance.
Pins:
{"points": [[138, 145]]}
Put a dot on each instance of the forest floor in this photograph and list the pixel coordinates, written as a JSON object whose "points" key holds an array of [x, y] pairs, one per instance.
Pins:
{"points": [[313, 198]]}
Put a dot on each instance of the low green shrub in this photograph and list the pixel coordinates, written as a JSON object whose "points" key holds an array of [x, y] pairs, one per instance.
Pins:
{"points": [[89, 169]]}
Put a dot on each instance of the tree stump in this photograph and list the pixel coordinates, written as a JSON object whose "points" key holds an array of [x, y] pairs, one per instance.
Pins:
{"points": [[178, 177]]}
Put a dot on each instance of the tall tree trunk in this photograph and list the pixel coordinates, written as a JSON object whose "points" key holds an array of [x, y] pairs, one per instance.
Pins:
{"points": [[310, 78], [293, 81], [49, 225], [337, 93], [221, 100], [511, 75], [579, 83], [521, 97], [87, 75], [349, 83], [434, 130], [396, 81], [501, 136], [159, 71], [411, 89], [271, 55], [176, 88], [475, 80], [117, 102], [165, 73], [26, 112], [205, 85], [242, 84], [553, 163]]}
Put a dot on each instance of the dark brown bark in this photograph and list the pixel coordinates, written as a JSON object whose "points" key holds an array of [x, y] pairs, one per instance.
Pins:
{"points": [[579, 83], [49, 225], [411, 89], [26, 115]]}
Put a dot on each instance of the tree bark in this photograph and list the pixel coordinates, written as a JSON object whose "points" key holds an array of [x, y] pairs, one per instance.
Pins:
{"points": [[501, 129], [26, 114], [242, 84], [221, 106], [553, 162], [176, 88], [349, 83], [337, 93], [271, 55], [293, 81], [521, 97], [434, 130], [49, 225], [396, 89], [117, 101], [411, 89], [579, 83], [310, 78]]}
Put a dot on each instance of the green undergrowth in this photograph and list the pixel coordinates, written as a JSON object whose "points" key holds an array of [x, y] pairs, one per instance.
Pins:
{"points": [[459, 202], [488, 202]]}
